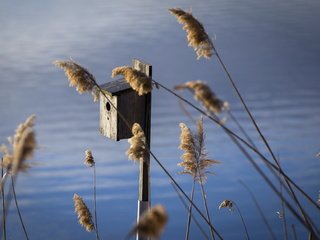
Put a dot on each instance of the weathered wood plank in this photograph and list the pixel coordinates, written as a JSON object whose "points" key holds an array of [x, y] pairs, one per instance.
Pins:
{"points": [[116, 87], [108, 117], [144, 178]]}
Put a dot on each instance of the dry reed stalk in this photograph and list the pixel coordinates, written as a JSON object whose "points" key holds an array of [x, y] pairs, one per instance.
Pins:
{"points": [[18, 208], [205, 96], [189, 211], [3, 207], [274, 168], [138, 151], [231, 206], [195, 162], [259, 209], [79, 77], [151, 223], [22, 146], [195, 159], [89, 160], [139, 81], [196, 34], [84, 215]]}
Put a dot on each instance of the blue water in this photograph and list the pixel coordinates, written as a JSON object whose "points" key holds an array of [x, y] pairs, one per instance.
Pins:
{"points": [[271, 49]]}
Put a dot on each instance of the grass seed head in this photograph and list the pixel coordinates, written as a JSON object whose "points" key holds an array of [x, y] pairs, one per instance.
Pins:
{"points": [[84, 215], [79, 77], [89, 160], [226, 204], [152, 223], [205, 96], [138, 150], [22, 146], [139, 81], [197, 37], [194, 159]]}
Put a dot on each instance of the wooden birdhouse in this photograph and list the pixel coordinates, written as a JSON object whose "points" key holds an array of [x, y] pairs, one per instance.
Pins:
{"points": [[134, 108]]}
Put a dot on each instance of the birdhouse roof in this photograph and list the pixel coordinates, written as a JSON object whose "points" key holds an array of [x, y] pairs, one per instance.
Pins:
{"points": [[116, 87]]}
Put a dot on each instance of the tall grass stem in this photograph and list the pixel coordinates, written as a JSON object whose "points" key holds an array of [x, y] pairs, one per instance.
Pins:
{"points": [[283, 211], [259, 210], [95, 202], [234, 119], [204, 198], [187, 208], [272, 166], [18, 209], [3, 207], [242, 220], [303, 213], [235, 138], [190, 211]]}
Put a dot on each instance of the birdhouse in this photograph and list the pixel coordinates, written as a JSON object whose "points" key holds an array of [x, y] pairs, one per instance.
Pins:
{"points": [[132, 107]]}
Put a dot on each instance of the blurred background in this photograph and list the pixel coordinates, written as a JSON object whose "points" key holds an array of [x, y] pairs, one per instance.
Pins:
{"points": [[271, 49]]}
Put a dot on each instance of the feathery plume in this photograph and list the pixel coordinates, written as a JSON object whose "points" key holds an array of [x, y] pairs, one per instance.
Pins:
{"points": [[205, 96], [226, 204], [22, 147], [79, 77], [139, 81], [195, 159], [197, 37], [138, 149], [151, 223], [84, 215], [89, 160]]}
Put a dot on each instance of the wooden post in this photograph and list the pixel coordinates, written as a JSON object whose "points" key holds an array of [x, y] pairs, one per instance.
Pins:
{"points": [[144, 184]]}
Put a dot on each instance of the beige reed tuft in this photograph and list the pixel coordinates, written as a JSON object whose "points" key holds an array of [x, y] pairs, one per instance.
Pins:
{"points": [[205, 96], [139, 81], [138, 149], [84, 215], [79, 77], [151, 223], [196, 34], [226, 204], [89, 160], [23, 144], [195, 159]]}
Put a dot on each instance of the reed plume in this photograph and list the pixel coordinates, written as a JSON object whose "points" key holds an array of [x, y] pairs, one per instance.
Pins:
{"points": [[79, 77], [205, 96], [138, 150], [22, 146], [226, 204], [139, 81], [195, 159], [195, 163], [151, 223], [84, 215], [89, 160], [197, 37]]}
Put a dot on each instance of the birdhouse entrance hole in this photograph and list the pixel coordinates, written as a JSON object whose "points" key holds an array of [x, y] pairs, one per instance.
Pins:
{"points": [[108, 106]]}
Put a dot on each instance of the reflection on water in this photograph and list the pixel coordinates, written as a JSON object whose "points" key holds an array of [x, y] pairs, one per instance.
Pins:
{"points": [[271, 49]]}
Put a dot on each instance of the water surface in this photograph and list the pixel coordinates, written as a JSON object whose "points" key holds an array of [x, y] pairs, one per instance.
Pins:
{"points": [[272, 50]]}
